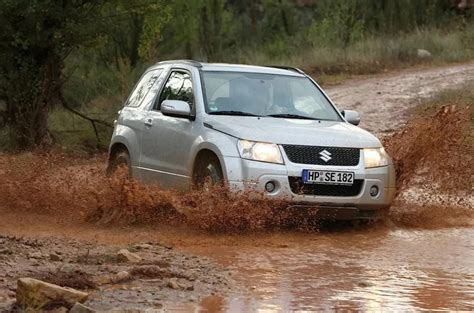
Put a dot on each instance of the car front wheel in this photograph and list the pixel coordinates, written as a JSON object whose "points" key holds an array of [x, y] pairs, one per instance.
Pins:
{"points": [[120, 161], [208, 173]]}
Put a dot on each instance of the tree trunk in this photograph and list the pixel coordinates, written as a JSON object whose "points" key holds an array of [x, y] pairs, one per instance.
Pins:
{"points": [[28, 111], [136, 34]]}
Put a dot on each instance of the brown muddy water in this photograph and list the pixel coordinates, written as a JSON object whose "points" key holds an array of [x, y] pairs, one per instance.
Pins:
{"points": [[387, 269], [420, 258], [378, 268]]}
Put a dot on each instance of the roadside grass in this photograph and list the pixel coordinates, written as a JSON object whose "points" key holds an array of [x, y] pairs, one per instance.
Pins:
{"points": [[462, 96], [99, 92], [71, 133], [329, 63], [74, 134]]}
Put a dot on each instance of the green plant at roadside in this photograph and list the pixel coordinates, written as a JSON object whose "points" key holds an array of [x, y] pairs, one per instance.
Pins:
{"points": [[89, 54], [341, 26], [462, 96]]}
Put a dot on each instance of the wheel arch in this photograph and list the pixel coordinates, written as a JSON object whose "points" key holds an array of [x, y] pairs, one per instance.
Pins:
{"points": [[116, 148], [221, 145], [207, 154]]}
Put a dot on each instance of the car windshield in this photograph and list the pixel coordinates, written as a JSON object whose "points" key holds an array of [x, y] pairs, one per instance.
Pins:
{"points": [[269, 95]]}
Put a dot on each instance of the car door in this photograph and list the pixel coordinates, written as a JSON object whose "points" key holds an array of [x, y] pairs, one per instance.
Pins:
{"points": [[130, 120], [167, 141]]}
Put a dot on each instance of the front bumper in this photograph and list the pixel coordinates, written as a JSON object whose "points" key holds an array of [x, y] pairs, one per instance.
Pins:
{"points": [[252, 175]]}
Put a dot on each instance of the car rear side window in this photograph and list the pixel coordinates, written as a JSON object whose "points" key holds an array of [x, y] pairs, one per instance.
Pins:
{"points": [[179, 86], [143, 87]]}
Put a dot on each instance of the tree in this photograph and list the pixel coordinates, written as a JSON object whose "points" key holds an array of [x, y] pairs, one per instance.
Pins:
{"points": [[199, 29], [133, 30], [35, 39]]}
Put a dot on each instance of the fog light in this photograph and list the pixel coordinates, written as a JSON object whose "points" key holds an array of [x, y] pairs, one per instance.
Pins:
{"points": [[374, 191], [270, 187]]}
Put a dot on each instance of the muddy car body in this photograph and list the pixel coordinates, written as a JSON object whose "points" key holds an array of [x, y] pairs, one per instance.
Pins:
{"points": [[268, 129]]}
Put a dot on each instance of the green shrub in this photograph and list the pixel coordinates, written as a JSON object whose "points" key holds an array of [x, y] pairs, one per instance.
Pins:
{"points": [[368, 55]]}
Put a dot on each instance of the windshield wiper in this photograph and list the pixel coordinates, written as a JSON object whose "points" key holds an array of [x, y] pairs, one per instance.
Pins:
{"points": [[238, 113], [293, 116], [303, 117]]}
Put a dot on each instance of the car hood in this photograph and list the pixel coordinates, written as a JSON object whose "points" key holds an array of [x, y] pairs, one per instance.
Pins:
{"points": [[294, 131]]}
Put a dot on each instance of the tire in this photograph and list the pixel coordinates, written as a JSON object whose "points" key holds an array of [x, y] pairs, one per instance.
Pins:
{"points": [[208, 173], [120, 159]]}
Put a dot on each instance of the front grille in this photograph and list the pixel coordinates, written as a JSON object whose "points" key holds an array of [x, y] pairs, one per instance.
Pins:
{"points": [[312, 155], [298, 187]]}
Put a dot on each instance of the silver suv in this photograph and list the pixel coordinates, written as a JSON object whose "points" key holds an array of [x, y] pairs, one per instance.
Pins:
{"points": [[271, 129]]}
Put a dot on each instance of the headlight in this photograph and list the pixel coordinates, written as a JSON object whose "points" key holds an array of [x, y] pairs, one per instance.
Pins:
{"points": [[260, 151], [376, 157]]}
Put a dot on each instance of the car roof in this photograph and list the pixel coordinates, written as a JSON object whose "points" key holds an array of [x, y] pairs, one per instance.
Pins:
{"points": [[224, 67]]}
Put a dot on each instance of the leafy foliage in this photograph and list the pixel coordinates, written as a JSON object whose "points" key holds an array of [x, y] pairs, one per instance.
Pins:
{"points": [[88, 53], [35, 39]]}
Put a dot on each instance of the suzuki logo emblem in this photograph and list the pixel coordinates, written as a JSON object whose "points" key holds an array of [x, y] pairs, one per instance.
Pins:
{"points": [[325, 156]]}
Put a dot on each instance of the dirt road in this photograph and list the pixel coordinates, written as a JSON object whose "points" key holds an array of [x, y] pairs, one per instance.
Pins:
{"points": [[384, 101], [381, 268]]}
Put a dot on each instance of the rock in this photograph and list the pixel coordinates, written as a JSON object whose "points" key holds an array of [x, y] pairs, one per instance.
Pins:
{"points": [[113, 279], [35, 294], [173, 284], [131, 310], [6, 251], [126, 256], [54, 257], [120, 277], [186, 285], [182, 284], [191, 275], [363, 284], [143, 246], [423, 54], [81, 308], [103, 280], [35, 255], [465, 4], [60, 309]]}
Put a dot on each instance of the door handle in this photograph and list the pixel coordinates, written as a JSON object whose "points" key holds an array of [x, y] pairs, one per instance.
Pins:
{"points": [[149, 122]]}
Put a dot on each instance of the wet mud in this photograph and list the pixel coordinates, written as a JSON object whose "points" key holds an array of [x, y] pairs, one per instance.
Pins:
{"points": [[162, 276], [420, 257]]}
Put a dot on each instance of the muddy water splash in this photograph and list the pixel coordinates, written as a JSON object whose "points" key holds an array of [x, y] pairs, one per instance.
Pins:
{"points": [[434, 162], [48, 184], [434, 158], [217, 209]]}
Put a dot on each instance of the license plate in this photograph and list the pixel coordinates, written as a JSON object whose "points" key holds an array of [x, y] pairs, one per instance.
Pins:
{"points": [[328, 177]]}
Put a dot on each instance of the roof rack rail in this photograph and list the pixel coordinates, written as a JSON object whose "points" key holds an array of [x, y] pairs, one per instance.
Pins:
{"points": [[191, 62], [290, 68]]}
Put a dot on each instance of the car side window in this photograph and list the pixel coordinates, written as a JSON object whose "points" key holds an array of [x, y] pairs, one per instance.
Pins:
{"points": [[179, 86], [143, 87]]}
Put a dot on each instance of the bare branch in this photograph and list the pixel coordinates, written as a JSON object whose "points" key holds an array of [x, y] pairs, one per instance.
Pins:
{"points": [[82, 115], [93, 121]]}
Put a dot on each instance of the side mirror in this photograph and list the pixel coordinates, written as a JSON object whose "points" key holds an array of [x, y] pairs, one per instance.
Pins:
{"points": [[352, 117], [176, 108]]}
